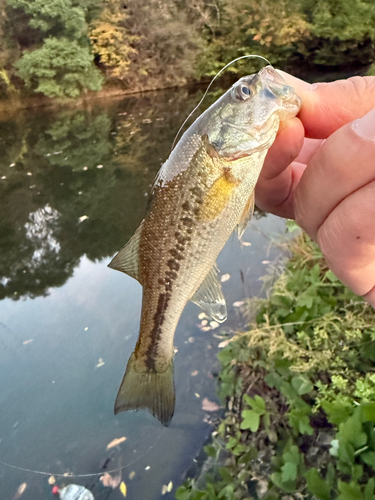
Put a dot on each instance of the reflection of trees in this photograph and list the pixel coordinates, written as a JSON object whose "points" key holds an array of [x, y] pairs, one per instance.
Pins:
{"points": [[76, 183]]}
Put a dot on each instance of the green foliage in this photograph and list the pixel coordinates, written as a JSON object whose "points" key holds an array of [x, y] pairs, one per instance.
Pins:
{"points": [[54, 17], [60, 68], [148, 44], [306, 394]]}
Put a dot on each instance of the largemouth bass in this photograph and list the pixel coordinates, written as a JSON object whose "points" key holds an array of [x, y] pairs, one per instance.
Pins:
{"points": [[202, 192]]}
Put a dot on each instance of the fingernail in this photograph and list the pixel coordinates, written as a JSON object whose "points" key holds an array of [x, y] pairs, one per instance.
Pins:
{"points": [[365, 126]]}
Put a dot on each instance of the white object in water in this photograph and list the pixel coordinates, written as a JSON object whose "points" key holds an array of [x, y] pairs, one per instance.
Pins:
{"points": [[74, 492]]}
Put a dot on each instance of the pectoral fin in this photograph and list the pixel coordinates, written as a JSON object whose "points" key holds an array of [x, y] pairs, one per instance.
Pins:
{"points": [[246, 215], [210, 298], [127, 259]]}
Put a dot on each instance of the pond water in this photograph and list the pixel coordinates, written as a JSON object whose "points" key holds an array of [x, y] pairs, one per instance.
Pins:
{"points": [[74, 185]]}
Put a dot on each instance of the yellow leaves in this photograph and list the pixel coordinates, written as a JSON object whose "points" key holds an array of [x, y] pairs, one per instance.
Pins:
{"points": [[51, 480], [116, 442], [167, 488], [111, 40], [123, 488]]}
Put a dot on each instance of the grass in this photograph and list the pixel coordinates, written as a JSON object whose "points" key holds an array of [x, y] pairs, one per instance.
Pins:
{"points": [[299, 385]]}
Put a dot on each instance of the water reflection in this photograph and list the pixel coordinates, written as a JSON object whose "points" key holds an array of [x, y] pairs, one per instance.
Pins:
{"points": [[76, 183], [74, 186]]}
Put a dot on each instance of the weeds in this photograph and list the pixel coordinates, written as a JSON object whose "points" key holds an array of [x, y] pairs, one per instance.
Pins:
{"points": [[300, 390]]}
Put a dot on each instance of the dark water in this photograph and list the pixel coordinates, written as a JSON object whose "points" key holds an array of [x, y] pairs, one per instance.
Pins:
{"points": [[74, 186]]}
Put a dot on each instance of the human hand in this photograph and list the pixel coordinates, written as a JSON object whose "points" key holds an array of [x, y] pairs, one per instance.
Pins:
{"points": [[321, 172]]}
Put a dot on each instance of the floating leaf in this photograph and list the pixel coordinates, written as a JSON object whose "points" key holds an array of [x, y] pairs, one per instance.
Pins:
{"points": [[208, 405], [25, 342], [20, 490], [132, 474], [225, 277], [101, 363], [116, 442], [51, 480], [123, 488], [224, 343], [110, 481]]}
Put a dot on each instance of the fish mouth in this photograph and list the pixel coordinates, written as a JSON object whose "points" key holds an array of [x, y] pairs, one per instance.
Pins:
{"points": [[250, 139]]}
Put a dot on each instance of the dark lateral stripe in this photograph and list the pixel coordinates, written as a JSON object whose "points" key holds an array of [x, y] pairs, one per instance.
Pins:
{"points": [[156, 331]]}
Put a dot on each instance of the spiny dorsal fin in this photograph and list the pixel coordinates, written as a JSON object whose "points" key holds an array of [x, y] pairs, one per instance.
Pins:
{"points": [[210, 298], [127, 259], [151, 390], [246, 215]]}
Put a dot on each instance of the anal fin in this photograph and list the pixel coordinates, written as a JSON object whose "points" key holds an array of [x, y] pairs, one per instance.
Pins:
{"points": [[127, 259], [210, 298]]}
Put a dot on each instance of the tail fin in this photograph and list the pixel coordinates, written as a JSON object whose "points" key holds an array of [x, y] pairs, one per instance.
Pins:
{"points": [[147, 389]]}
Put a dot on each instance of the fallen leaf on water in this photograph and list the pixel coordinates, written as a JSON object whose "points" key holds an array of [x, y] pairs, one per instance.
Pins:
{"points": [[204, 322], [20, 490], [197, 395], [131, 475], [123, 488], [116, 442], [266, 261], [51, 480], [239, 303], [205, 328], [214, 324], [224, 343], [110, 481], [25, 342], [202, 315], [194, 373], [246, 243], [191, 340], [225, 277], [101, 363], [167, 488], [82, 218], [208, 405]]}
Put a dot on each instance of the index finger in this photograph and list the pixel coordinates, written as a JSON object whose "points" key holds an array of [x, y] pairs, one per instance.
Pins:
{"points": [[326, 107]]}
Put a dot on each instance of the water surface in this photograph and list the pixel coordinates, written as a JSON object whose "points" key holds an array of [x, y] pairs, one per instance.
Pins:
{"points": [[74, 185]]}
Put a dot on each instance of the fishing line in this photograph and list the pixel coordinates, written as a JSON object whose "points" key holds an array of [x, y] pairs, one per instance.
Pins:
{"points": [[250, 56], [67, 475]]}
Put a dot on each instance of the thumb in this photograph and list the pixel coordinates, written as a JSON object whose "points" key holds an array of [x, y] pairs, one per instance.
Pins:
{"points": [[328, 106]]}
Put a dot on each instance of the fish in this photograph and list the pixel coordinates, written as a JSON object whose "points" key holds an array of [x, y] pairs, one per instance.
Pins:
{"points": [[203, 191]]}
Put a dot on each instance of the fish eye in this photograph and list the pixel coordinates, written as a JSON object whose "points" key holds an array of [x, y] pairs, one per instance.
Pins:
{"points": [[245, 90]]}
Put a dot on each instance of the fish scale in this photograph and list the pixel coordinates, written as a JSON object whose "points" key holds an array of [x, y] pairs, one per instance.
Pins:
{"points": [[202, 192]]}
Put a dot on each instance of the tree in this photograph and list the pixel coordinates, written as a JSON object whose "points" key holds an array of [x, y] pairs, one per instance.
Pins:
{"points": [[62, 65], [111, 41], [60, 68]]}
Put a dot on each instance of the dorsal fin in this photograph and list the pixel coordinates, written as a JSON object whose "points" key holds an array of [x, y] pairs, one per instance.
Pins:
{"points": [[210, 298], [127, 259]]}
